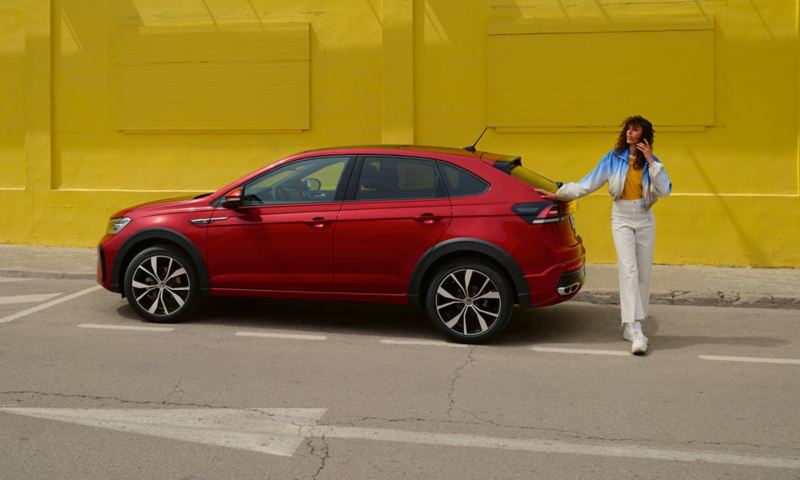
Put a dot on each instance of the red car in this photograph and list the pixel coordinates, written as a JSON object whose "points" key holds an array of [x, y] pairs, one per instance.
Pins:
{"points": [[462, 234]]}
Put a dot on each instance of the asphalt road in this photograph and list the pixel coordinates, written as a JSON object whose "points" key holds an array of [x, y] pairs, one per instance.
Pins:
{"points": [[292, 389]]}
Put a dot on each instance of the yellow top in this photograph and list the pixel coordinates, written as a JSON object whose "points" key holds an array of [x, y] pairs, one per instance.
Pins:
{"points": [[633, 182]]}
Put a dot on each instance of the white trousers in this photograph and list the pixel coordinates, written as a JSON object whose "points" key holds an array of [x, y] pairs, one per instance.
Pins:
{"points": [[634, 232]]}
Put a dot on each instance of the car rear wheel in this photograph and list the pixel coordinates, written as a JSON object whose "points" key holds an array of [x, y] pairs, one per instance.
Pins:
{"points": [[161, 284], [469, 301]]}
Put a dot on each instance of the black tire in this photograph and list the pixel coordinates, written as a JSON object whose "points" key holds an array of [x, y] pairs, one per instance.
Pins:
{"points": [[161, 284], [483, 311]]}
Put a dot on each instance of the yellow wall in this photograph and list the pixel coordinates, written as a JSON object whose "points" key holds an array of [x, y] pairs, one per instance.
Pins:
{"points": [[108, 104]]}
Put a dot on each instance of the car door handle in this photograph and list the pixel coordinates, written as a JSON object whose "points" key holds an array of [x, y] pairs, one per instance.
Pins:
{"points": [[319, 222], [427, 218]]}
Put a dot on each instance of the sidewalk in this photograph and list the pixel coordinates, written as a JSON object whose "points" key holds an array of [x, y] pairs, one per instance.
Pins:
{"points": [[673, 285]]}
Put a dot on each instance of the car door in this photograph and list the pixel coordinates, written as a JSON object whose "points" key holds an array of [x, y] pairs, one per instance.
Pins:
{"points": [[281, 237], [394, 211]]}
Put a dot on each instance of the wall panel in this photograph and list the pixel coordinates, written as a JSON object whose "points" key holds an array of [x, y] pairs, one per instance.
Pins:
{"points": [[252, 77]]}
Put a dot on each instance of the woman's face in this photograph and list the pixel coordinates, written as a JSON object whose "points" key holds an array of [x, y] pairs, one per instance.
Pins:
{"points": [[633, 134]]}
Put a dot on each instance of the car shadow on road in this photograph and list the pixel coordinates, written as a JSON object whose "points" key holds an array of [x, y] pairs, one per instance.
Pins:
{"points": [[568, 323], [315, 316]]}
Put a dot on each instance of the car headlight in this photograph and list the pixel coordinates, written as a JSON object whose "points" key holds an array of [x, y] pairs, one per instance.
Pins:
{"points": [[115, 225]]}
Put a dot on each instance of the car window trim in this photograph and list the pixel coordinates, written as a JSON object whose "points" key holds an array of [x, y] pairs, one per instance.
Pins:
{"points": [[337, 197]]}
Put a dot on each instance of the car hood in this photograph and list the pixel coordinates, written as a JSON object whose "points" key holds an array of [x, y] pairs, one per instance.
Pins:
{"points": [[164, 206]]}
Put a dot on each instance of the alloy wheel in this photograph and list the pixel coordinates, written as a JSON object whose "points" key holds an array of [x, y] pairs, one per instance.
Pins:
{"points": [[160, 285], [468, 302]]}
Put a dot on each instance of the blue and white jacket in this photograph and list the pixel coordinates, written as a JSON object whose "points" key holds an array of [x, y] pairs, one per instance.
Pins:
{"points": [[612, 169]]}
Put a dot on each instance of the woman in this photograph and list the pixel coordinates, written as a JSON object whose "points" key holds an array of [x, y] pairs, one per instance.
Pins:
{"points": [[636, 178]]}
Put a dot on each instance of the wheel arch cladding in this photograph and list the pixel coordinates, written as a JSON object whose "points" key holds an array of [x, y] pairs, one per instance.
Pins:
{"points": [[457, 247], [150, 238]]}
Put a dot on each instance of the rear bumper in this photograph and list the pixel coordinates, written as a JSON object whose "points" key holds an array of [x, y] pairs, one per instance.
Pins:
{"points": [[557, 284], [571, 281]]}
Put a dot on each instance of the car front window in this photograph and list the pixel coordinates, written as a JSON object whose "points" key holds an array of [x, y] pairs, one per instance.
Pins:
{"points": [[313, 180]]}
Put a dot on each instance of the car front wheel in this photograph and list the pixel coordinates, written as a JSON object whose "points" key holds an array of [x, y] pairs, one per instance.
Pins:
{"points": [[469, 301], [161, 284]]}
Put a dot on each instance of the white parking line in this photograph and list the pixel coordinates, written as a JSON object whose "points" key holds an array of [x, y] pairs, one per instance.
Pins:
{"points": [[287, 336], [27, 298], [49, 304], [13, 279], [721, 358], [581, 351], [429, 343], [124, 327]]}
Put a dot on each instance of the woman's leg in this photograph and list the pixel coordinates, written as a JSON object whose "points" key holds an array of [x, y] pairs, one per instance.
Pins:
{"points": [[645, 245], [625, 244]]}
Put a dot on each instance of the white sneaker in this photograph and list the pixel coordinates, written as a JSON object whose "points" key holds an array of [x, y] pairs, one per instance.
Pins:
{"points": [[639, 341]]}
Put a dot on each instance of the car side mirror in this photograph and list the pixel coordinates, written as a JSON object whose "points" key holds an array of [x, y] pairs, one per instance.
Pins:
{"points": [[233, 199], [312, 184]]}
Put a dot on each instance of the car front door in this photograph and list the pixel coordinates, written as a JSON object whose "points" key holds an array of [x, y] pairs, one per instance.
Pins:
{"points": [[281, 237], [394, 212]]}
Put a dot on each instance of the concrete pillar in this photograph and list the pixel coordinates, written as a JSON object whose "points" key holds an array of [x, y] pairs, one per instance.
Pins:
{"points": [[398, 71], [38, 89]]}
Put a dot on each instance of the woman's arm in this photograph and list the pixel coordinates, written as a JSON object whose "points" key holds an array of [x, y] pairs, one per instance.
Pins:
{"points": [[658, 175], [588, 184], [659, 178]]}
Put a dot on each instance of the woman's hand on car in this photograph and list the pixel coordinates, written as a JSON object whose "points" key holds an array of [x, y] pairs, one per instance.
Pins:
{"points": [[546, 194]]}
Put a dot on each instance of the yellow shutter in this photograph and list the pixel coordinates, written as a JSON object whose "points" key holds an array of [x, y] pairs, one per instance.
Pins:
{"points": [[201, 78], [545, 74]]}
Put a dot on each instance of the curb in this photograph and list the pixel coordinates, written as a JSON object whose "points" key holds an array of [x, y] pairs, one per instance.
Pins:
{"points": [[686, 298], [47, 274]]}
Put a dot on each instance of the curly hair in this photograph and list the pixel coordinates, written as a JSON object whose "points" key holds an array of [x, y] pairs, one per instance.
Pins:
{"points": [[648, 133]]}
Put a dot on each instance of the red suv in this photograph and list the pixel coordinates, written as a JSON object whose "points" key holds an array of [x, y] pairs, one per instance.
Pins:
{"points": [[462, 234]]}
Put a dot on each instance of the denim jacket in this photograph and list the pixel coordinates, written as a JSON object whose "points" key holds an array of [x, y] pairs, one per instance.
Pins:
{"points": [[613, 168]]}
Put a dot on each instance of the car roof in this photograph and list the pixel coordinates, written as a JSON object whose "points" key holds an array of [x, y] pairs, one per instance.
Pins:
{"points": [[412, 150]]}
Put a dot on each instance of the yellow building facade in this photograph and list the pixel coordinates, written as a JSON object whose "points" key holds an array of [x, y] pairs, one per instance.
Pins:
{"points": [[106, 104]]}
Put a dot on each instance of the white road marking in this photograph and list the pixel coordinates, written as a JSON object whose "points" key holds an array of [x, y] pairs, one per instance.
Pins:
{"points": [[52, 303], [287, 336], [720, 358], [13, 279], [27, 298], [125, 327], [282, 431], [581, 351], [264, 430], [430, 343]]}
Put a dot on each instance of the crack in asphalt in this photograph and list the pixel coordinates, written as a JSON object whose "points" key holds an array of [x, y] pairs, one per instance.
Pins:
{"points": [[456, 376], [324, 450], [176, 388], [140, 402]]}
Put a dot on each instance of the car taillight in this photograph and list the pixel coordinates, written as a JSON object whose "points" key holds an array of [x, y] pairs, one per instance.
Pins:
{"points": [[541, 212]]}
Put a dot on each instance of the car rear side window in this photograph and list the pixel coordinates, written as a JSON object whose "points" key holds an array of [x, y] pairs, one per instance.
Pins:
{"points": [[398, 178], [460, 182]]}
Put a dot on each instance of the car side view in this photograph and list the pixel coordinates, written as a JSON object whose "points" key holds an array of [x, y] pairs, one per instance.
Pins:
{"points": [[461, 234]]}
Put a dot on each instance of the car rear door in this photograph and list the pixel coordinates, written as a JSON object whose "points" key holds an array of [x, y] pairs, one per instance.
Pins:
{"points": [[394, 211]]}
